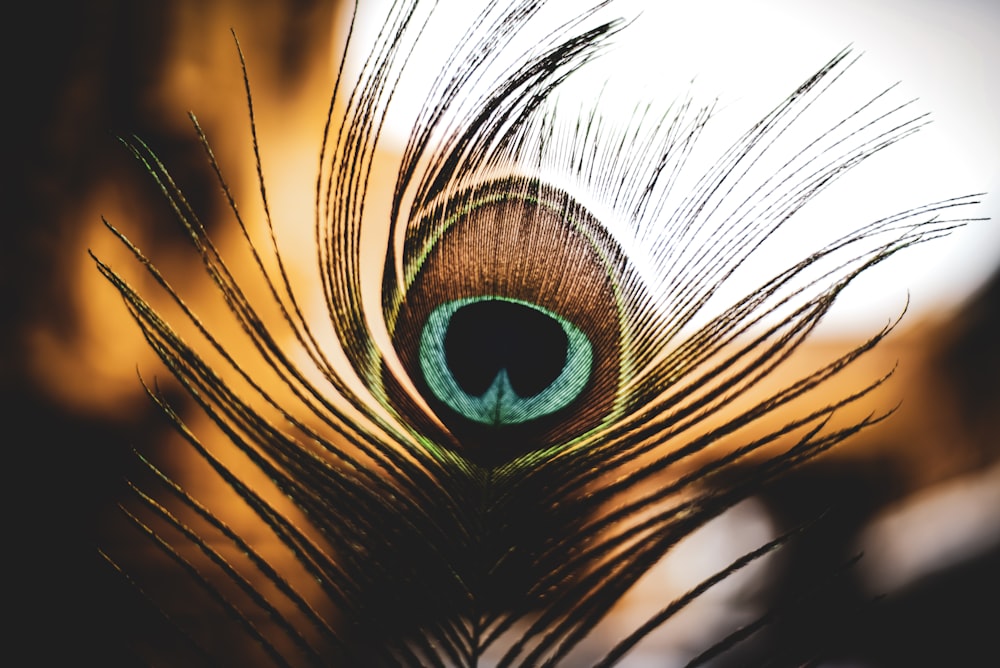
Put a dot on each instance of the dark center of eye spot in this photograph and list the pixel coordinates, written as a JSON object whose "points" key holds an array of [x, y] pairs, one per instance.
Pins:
{"points": [[485, 337]]}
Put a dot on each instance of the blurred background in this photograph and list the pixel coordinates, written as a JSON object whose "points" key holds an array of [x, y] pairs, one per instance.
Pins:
{"points": [[918, 494]]}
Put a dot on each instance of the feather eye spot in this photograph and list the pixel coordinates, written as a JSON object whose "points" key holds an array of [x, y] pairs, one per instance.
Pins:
{"points": [[502, 361], [515, 305]]}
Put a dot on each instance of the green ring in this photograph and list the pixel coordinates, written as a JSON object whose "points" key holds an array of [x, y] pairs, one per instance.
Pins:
{"points": [[500, 404]]}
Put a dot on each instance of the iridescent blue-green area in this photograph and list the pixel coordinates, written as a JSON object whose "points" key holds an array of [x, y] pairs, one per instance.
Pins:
{"points": [[498, 361]]}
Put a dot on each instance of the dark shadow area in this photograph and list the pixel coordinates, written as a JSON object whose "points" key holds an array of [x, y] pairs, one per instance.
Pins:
{"points": [[820, 612]]}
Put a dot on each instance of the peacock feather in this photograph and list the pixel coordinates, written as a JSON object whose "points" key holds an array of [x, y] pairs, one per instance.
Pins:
{"points": [[541, 395]]}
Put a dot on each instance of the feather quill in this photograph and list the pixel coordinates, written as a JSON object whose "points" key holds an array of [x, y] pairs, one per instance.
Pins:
{"points": [[533, 415]]}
